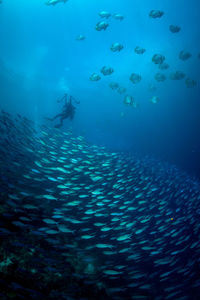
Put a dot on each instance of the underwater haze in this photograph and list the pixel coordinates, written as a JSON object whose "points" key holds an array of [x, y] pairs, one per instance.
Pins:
{"points": [[99, 149]]}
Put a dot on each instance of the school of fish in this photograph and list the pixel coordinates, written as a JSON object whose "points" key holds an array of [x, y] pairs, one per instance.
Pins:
{"points": [[157, 58], [80, 222]]}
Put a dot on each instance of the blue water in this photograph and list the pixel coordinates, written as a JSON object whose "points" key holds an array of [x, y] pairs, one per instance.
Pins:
{"points": [[41, 59]]}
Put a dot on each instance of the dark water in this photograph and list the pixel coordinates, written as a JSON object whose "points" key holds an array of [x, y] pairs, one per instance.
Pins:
{"points": [[107, 206]]}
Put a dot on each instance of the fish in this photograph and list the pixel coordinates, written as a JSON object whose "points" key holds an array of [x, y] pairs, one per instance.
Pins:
{"points": [[158, 59], [95, 77], [116, 47], [177, 75], [104, 14], [135, 78], [128, 100], [174, 28], [163, 66], [106, 70], [113, 85], [190, 83], [139, 50], [156, 14], [184, 55], [101, 26], [154, 100], [54, 2], [118, 17], [160, 77], [80, 37], [111, 272], [121, 90]]}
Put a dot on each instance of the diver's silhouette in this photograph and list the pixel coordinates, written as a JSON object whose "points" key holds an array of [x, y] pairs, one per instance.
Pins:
{"points": [[68, 110]]}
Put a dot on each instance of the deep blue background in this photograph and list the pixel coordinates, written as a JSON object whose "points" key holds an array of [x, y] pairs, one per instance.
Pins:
{"points": [[40, 59]]}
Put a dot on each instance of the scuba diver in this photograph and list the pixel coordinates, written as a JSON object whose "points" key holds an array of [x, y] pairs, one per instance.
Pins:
{"points": [[68, 110]]}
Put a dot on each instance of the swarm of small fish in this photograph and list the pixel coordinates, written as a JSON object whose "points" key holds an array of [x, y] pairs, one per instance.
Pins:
{"points": [[158, 59], [79, 220]]}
